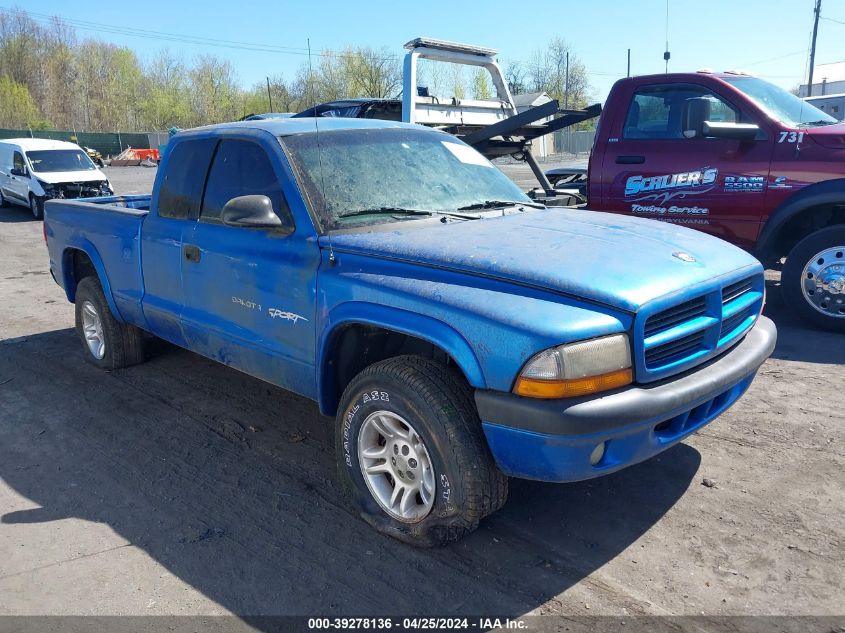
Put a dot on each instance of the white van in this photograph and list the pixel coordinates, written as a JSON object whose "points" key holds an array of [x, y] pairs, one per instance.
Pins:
{"points": [[35, 169]]}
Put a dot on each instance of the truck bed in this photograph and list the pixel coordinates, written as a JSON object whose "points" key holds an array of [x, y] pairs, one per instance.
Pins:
{"points": [[107, 229]]}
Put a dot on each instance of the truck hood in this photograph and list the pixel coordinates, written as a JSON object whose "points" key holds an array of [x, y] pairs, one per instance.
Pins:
{"points": [[56, 177], [619, 261], [832, 136]]}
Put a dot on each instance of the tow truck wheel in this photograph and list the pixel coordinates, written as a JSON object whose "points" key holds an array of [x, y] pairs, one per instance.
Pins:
{"points": [[108, 343], [813, 278], [411, 454], [36, 206]]}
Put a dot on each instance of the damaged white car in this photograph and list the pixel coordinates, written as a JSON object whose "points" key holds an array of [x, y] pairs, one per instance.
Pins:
{"points": [[33, 170]]}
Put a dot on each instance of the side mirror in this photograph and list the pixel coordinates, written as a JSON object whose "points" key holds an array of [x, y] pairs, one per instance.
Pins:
{"points": [[736, 131], [252, 212], [20, 172], [696, 114]]}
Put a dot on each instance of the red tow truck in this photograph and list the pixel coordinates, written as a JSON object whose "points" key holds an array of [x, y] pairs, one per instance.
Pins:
{"points": [[735, 156]]}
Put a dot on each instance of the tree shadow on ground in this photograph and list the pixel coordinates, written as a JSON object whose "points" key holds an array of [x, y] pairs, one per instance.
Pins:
{"points": [[228, 483]]}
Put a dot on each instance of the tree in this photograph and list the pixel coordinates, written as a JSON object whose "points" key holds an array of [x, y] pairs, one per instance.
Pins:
{"points": [[481, 88], [557, 70], [515, 76], [17, 108]]}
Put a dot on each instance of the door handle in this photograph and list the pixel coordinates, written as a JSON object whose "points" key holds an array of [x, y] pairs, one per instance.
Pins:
{"points": [[191, 253], [630, 160]]}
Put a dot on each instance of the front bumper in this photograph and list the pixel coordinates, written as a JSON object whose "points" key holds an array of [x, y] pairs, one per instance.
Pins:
{"points": [[552, 440]]}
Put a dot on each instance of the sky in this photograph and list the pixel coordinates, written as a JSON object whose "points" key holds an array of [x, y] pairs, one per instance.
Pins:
{"points": [[769, 38]]}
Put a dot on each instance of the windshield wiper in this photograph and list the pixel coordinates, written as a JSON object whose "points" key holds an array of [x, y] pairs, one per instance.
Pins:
{"points": [[816, 123], [406, 211], [385, 211], [497, 204]]}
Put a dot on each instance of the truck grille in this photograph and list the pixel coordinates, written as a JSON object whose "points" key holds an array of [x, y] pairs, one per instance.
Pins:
{"points": [[671, 317], [681, 336]]}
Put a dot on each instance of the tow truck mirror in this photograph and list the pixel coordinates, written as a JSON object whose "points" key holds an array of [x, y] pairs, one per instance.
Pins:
{"points": [[736, 131], [252, 212], [696, 113]]}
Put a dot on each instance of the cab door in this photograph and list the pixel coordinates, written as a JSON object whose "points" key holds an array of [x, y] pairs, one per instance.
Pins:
{"points": [[18, 186], [250, 293], [655, 170], [176, 203]]}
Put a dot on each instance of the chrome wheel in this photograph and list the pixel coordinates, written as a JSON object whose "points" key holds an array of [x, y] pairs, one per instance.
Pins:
{"points": [[92, 328], [396, 466], [823, 282]]}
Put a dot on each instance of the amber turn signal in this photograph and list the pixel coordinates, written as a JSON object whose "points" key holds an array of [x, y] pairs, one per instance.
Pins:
{"points": [[535, 388]]}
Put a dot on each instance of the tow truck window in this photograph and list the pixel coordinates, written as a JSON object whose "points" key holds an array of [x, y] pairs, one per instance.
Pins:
{"points": [[657, 112], [241, 168], [780, 104], [184, 177]]}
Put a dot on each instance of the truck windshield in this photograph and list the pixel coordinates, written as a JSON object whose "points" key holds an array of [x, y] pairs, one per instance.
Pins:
{"points": [[780, 104], [60, 160], [369, 176]]}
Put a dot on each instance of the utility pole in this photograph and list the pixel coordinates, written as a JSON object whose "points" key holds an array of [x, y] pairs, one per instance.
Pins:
{"points": [[817, 11], [566, 91], [629, 63], [269, 96]]}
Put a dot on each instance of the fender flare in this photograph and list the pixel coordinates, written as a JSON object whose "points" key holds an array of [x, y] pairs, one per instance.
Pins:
{"points": [[69, 283], [419, 326], [824, 192]]}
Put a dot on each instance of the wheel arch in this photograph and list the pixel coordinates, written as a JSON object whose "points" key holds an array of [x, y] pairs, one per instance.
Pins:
{"points": [[82, 261], [345, 349], [814, 207]]}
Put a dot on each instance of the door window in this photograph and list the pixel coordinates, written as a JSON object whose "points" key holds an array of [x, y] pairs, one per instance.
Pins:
{"points": [[18, 162], [241, 168], [184, 176], [657, 111]]}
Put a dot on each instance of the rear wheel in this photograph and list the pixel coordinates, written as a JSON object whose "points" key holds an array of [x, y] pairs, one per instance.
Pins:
{"points": [[36, 205], [411, 454], [2, 200], [813, 279], [108, 343]]}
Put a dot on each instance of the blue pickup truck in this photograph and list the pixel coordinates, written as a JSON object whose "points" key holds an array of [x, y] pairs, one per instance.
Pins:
{"points": [[459, 333]]}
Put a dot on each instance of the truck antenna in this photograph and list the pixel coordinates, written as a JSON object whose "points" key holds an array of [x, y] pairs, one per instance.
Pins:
{"points": [[319, 149], [666, 53]]}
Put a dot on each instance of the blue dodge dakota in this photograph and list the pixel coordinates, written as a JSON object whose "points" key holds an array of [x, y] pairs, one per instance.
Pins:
{"points": [[457, 331]]}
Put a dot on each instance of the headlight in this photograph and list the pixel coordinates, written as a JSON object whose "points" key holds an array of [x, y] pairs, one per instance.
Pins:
{"points": [[577, 369], [49, 190]]}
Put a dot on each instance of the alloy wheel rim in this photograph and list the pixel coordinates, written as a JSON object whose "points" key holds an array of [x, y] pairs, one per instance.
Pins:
{"points": [[823, 282], [92, 328], [396, 466]]}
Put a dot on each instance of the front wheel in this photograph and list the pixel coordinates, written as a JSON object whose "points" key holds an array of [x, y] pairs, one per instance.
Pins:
{"points": [[411, 453], [36, 205], [813, 278]]}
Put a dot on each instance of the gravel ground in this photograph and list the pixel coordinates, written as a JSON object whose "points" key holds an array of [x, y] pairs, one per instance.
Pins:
{"points": [[180, 486]]}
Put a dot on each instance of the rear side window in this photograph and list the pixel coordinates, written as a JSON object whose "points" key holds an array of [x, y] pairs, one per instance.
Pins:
{"points": [[241, 168], [181, 190], [657, 112]]}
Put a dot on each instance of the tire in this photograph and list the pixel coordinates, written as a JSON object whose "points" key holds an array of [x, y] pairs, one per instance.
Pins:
{"points": [[36, 205], [3, 203], [122, 344], [437, 405], [813, 279]]}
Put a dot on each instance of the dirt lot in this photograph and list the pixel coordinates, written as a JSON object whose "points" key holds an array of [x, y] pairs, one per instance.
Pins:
{"points": [[180, 486]]}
